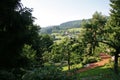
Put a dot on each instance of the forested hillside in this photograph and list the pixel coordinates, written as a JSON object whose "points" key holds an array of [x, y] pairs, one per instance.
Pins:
{"points": [[62, 26]]}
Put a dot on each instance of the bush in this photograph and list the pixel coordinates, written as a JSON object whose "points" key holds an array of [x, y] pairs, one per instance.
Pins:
{"points": [[46, 73], [5, 75], [90, 59]]}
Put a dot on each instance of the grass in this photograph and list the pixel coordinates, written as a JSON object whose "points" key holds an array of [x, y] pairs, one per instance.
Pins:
{"points": [[95, 71], [99, 73], [65, 68]]}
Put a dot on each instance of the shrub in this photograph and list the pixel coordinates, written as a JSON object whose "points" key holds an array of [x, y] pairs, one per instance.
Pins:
{"points": [[5, 75], [90, 59], [46, 73]]}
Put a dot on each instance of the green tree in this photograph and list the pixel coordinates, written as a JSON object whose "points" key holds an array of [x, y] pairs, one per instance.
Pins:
{"points": [[42, 44], [112, 31], [29, 54], [16, 29], [93, 28], [69, 52]]}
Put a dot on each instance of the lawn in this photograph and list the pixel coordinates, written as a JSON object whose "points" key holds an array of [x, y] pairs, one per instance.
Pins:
{"points": [[65, 68], [99, 73]]}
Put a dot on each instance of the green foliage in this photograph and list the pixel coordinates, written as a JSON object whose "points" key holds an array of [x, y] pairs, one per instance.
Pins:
{"points": [[71, 24], [61, 27], [90, 59], [60, 51], [113, 26], [46, 73], [112, 30], [5, 75], [28, 52], [93, 30], [41, 44], [21, 46], [47, 56], [16, 29]]}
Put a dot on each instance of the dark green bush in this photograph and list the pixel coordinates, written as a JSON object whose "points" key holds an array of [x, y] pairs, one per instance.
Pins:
{"points": [[46, 73], [90, 59], [5, 75]]}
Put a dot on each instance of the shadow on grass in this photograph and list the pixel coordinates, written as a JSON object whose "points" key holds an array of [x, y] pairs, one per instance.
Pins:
{"points": [[98, 73]]}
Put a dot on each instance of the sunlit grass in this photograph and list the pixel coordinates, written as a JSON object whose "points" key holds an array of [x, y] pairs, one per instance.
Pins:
{"points": [[99, 73], [95, 71], [65, 68]]}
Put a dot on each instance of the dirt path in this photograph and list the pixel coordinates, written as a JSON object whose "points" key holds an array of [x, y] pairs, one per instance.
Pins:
{"points": [[104, 59]]}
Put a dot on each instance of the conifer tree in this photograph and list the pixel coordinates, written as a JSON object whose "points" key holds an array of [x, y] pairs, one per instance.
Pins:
{"points": [[112, 31]]}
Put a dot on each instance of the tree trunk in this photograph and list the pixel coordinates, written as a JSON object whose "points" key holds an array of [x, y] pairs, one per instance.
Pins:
{"points": [[90, 50], [68, 61], [116, 63]]}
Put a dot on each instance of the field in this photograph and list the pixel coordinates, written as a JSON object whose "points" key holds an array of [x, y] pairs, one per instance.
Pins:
{"points": [[99, 73], [78, 66]]}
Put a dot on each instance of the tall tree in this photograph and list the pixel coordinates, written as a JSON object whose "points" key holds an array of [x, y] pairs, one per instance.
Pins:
{"points": [[16, 29], [112, 30], [93, 28], [42, 44]]}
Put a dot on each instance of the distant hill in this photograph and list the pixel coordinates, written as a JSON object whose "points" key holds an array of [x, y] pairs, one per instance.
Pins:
{"points": [[63, 26], [71, 24]]}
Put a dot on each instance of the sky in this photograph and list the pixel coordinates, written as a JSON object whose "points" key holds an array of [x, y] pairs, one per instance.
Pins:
{"points": [[55, 12]]}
